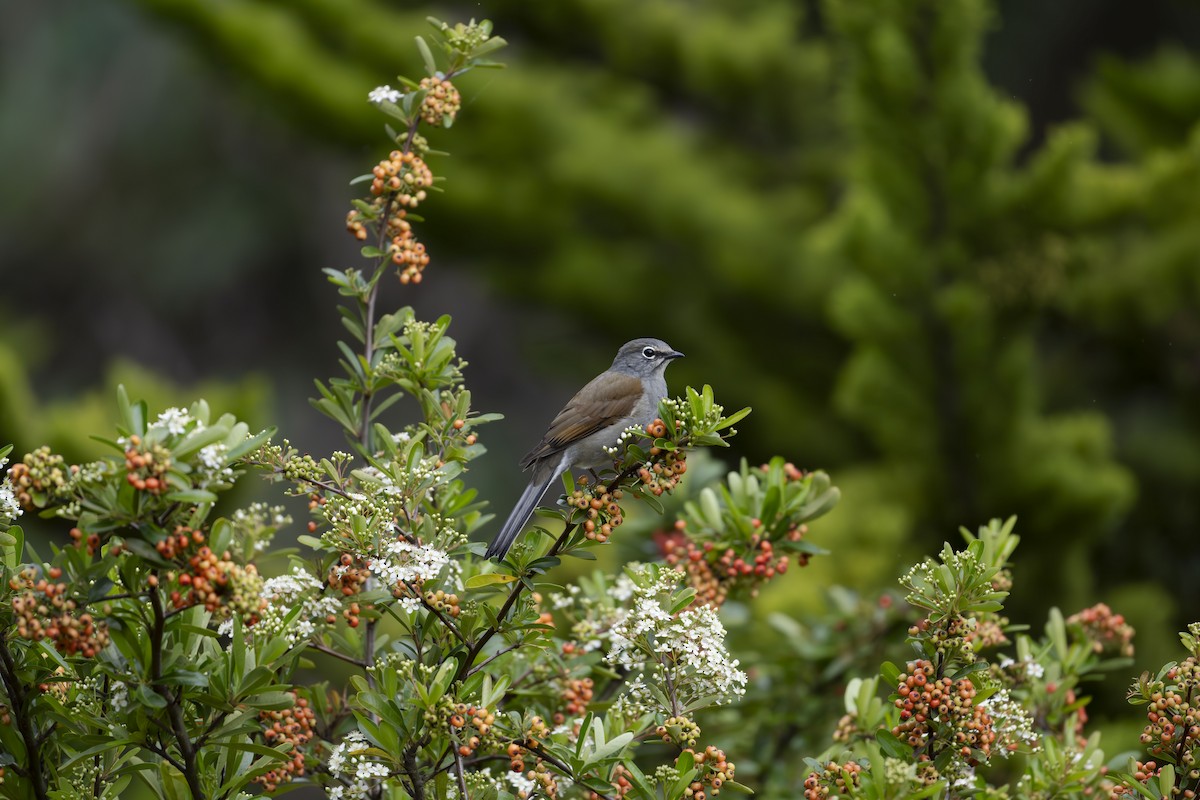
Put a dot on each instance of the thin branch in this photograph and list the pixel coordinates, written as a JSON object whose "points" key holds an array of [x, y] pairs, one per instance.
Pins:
{"points": [[162, 753], [16, 693], [444, 619], [560, 766], [493, 657], [183, 741], [329, 651], [462, 781], [518, 588], [369, 656], [413, 770]]}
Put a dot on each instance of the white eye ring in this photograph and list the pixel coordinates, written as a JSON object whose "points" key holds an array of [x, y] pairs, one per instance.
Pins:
{"points": [[649, 352]]}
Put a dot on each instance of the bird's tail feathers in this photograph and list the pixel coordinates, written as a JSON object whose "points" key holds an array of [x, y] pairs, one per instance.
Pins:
{"points": [[521, 513]]}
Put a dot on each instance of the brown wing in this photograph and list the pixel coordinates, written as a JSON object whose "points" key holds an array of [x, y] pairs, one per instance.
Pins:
{"points": [[609, 397]]}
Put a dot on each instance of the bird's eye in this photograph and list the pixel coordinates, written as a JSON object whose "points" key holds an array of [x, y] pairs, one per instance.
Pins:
{"points": [[649, 352]]}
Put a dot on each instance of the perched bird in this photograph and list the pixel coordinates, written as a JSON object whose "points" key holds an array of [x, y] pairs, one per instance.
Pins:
{"points": [[626, 394]]}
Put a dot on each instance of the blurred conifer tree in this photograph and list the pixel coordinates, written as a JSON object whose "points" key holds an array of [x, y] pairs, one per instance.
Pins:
{"points": [[964, 324]]}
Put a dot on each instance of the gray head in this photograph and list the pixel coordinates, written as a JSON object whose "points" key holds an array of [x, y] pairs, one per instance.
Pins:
{"points": [[644, 357]]}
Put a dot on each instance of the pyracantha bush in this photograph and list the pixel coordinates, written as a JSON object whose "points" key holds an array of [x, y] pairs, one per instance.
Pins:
{"points": [[161, 642]]}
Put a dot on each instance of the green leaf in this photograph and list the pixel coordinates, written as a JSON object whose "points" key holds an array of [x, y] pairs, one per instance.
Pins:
{"points": [[739, 788], [426, 56], [729, 421], [192, 496], [149, 697], [488, 579], [1166, 779], [892, 746]]}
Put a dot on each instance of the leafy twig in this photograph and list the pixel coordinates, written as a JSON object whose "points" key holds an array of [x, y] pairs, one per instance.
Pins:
{"points": [[20, 700]]}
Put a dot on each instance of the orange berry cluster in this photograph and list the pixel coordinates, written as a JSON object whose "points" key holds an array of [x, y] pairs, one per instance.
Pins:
{"points": [[1145, 772], [291, 725], [42, 610], [834, 778], [715, 574], [988, 632], [147, 467], [847, 729], [665, 473], [174, 545], [1173, 715], [601, 507], [350, 613], [441, 601], [41, 472], [404, 176], [1107, 631], [576, 694], [714, 768], [925, 698], [680, 730], [442, 100], [206, 580], [409, 255], [537, 731], [396, 222], [951, 636], [91, 541], [469, 725], [349, 575], [541, 775], [620, 783], [315, 501]]}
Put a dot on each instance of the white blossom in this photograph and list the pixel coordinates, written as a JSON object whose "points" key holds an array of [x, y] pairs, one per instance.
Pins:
{"points": [[283, 595], [382, 94], [1011, 721], [523, 786], [622, 589], [404, 561], [686, 651], [212, 462], [10, 509], [118, 697], [175, 421], [287, 589], [361, 774]]}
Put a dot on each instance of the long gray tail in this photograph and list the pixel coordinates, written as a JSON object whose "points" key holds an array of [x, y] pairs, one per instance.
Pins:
{"points": [[521, 513]]}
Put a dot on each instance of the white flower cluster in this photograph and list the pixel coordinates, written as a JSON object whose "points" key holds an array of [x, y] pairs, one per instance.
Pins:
{"points": [[359, 774], [175, 421], [1011, 721], [118, 697], [287, 592], [382, 94], [256, 519], [10, 509], [685, 655], [382, 482], [404, 561], [522, 786], [262, 515], [590, 616], [212, 463]]}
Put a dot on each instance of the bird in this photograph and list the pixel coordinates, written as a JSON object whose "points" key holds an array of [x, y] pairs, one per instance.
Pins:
{"points": [[626, 394]]}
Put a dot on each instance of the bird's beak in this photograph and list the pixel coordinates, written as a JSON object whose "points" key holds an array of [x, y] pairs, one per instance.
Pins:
{"points": [[674, 354]]}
